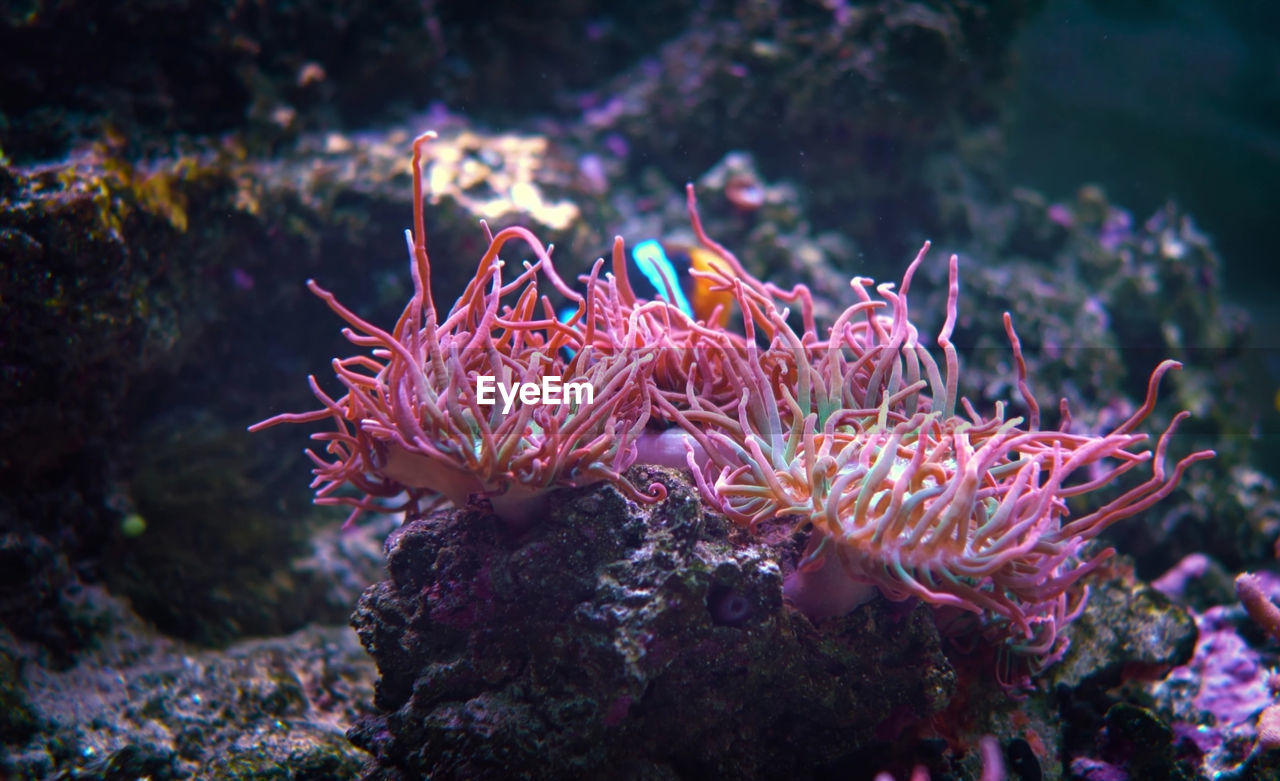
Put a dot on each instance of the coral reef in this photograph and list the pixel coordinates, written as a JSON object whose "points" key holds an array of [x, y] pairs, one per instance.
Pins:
{"points": [[859, 435], [776, 425], [171, 173]]}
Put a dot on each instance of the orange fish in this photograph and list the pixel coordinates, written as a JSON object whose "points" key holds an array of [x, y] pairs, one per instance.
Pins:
{"points": [[661, 270]]}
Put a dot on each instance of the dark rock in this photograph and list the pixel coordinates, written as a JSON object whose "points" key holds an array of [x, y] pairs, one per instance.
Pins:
{"points": [[591, 647]]}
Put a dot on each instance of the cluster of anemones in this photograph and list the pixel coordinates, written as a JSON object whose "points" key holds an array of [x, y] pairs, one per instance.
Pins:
{"points": [[852, 432], [415, 421]]}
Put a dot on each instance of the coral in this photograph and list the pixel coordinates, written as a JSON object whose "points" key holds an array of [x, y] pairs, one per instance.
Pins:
{"points": [[860, 436], [963, 511], [1257, 603], [1100, 297], [415, 418], [496, 176], [1222, 703]]}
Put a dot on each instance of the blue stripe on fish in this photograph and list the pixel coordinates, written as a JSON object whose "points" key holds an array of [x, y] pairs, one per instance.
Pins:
{"points": [[652, 261]]}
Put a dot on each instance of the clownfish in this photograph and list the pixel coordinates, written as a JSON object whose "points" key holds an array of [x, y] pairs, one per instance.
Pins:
{"points": [[660, 270]]}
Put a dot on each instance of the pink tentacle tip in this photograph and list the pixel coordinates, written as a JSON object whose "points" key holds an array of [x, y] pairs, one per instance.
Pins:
{"points": [[657, 492], [1269, 728], [1257, 603]]}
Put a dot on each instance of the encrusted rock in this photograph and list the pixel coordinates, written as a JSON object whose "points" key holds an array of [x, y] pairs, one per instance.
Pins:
{"points": [[622, 641]]}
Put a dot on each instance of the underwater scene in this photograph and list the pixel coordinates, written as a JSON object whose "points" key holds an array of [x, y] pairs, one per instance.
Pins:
{"points": [[726, 389]]}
